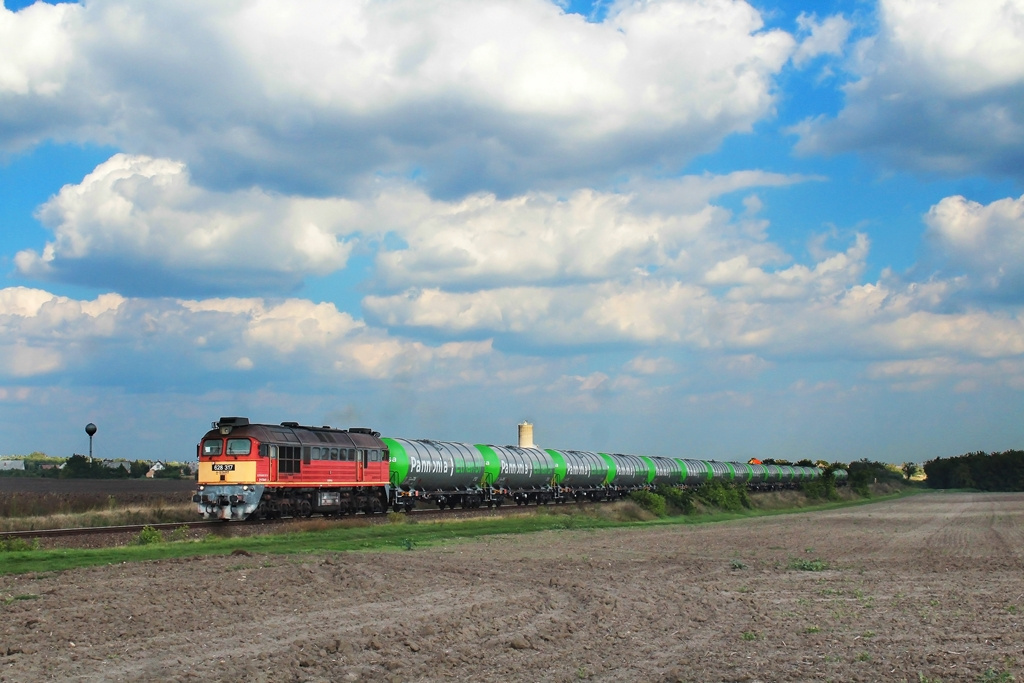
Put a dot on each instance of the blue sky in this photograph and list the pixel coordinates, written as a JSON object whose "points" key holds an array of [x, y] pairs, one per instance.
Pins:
{"points": [[715, 229]]}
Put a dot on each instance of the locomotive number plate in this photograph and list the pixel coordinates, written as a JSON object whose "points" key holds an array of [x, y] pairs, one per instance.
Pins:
{"points": [[223, 466]]}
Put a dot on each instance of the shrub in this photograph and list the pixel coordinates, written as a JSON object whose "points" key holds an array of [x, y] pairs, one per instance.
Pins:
{"points": [[864, 472], [822, 488], [149, 535], [679, 501], [16, 544], [650, 501], [728, 497]]}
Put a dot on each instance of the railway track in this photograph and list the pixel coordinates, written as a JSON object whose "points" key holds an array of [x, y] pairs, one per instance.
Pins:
{"points": [[422, 514], [85, 531]]}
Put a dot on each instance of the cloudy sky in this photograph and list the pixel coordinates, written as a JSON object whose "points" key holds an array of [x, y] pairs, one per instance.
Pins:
{"points": [[709, 228]]}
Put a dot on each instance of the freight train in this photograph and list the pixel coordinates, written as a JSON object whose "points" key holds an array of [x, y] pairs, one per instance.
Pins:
{"points": [[266, 471]]}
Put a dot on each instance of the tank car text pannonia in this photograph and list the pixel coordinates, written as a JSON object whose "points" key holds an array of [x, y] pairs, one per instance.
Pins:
{"points": [[265, 471]]}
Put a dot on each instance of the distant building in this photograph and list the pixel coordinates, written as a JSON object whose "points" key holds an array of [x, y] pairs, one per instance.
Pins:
{"points": [[154, 468], [12, 465], [117, 464]]}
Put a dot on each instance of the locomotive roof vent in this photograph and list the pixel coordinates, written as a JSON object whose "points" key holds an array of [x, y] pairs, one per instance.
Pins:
{"points": [[363, 430], [289, 424]]}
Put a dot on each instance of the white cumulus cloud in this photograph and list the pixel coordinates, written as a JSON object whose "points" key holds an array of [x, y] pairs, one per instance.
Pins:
{"points": [[940, 88], [824, 37], [985, 243], [306, 97], [138, 223]]}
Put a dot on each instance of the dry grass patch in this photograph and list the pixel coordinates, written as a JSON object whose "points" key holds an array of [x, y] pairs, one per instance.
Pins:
{"points": [[182, 512]]}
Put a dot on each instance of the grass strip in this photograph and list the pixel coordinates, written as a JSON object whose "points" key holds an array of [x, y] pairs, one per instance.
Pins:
{"points": [[376, 537]]}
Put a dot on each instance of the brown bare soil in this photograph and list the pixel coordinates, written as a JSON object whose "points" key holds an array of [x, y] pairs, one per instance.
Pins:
{"points": [[23, 496], [110, 487], [924, 588]]}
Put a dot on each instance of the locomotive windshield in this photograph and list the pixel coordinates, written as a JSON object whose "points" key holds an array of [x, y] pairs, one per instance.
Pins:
{"points": [[212, 446], [239, 446]]}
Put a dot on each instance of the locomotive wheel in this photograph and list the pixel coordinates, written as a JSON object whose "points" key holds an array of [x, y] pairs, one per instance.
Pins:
{"points": [[304, 508]]}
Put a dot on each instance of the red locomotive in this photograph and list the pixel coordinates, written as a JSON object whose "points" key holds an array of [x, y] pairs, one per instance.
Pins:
{"points": [[266, 471]]}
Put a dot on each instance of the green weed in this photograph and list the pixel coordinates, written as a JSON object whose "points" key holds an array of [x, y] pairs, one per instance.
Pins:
{"points": [[149, 535], [814, 565], [17, 544]]}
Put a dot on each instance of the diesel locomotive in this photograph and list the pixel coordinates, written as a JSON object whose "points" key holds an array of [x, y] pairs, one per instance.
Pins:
{"points": [[266, 471]]}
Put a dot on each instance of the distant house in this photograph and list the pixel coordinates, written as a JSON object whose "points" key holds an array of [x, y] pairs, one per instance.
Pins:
{"points": [[12, 465], [154, 468], [117, 464]]}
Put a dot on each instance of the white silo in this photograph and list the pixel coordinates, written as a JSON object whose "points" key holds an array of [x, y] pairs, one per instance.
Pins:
{"points": [[526, 435]]}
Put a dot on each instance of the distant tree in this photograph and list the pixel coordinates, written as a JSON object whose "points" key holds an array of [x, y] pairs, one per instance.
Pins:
{"points": [[77, 467], [984, 471], [139, 469], [864, 472], [169, 472], [824, 486], [805, 463], [909, 470]]}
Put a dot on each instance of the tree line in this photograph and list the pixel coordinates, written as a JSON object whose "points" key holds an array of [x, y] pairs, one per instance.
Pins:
{"points": [[983, 471], [81, 467]]}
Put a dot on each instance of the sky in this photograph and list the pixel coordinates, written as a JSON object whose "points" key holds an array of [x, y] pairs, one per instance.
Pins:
{"points": [[700, 228]]}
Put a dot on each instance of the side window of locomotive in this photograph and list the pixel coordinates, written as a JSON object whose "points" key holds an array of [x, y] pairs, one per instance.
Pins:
{"points": [[334, 454], [289, 461], [374, 455], [239, 446], [359, 455], [212, 447]]}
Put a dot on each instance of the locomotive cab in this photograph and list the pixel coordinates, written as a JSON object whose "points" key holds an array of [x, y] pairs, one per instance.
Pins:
{"points": [[258, 470]]}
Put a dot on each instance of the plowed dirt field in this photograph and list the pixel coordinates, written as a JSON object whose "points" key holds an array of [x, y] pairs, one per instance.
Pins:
{"points": [[924, 588]]}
